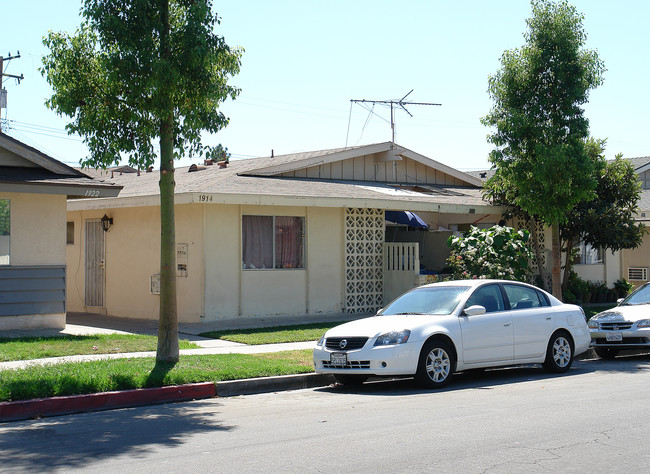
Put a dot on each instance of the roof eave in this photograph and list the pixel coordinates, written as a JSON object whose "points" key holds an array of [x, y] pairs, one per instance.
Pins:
{"points": [[302, 201], [68, 189], [37, 157]]}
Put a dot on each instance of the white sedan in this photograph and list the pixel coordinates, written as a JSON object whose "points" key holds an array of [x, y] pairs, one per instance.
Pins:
{"points": [[435, 330]]}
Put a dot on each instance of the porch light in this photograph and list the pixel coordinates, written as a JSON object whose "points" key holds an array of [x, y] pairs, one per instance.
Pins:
{"points": [[107, 222]]}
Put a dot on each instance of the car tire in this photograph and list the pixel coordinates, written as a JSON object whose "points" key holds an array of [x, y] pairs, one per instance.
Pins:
{"points": [[436, 365], [350, 379], [606, 352], [559, 353]]}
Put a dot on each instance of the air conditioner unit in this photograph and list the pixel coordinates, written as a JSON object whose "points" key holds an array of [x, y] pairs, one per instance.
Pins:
{"points": [[637, 274]]}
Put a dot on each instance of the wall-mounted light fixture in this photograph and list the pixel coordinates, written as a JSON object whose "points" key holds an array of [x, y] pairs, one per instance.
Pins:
{"points": [[107, 222]]}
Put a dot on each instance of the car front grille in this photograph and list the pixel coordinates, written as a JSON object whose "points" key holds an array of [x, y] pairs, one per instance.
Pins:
{"points": [[351, 343], [626, 340], [617, 326], [352, 364]]}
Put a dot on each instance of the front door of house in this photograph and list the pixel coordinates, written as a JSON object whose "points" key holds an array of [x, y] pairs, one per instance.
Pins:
{"points": [[95, 264]]}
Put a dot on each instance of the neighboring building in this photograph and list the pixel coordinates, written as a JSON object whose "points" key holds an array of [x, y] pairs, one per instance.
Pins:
{"points": [[635, 264], [599, 265], [292, 234], [33, 192]]}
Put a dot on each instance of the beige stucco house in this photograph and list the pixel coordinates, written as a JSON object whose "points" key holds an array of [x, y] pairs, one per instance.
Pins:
{"points": [[33, 192], [293, 234]]}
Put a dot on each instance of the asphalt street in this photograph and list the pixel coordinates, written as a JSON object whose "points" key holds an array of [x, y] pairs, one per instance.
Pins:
{"points": [[592, 419]]}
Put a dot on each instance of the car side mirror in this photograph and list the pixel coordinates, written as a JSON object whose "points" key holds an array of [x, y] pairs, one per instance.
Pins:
{"points": [[619, 301], [474, 310]]}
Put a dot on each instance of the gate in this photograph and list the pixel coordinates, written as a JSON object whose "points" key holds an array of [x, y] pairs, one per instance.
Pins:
{"points": [[401, 268]]}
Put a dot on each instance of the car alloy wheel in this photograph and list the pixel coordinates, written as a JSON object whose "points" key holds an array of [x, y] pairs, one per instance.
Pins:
{"points": [[437, 364], [559, 354]]}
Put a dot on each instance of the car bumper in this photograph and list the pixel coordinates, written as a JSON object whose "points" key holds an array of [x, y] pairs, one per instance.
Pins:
{"points": [[401, 359], [638, 338]]}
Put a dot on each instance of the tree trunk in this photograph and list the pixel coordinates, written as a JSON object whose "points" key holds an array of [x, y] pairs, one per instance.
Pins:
{"points": [[568, 264], [541, 266], [556, 252], [168, 317]]}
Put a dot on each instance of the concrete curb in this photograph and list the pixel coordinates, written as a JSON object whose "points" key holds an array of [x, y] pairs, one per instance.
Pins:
{"points": [[25, 409], [231, 388], [590, 354], [42, 407]]}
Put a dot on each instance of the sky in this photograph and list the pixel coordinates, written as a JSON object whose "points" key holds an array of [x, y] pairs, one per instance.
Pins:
{"points": [[305, 60]]}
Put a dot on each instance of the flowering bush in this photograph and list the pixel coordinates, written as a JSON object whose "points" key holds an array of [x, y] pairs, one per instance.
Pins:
{"points": [[498, 252]]}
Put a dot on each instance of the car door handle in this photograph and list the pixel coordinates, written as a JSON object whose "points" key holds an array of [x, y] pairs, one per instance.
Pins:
{"points": [[507, 324], [548, 318]]}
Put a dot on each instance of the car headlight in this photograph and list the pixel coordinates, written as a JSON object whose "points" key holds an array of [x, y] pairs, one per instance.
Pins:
{"points": [[393, 337], [592, 324], [321, 341], [644, 323]]}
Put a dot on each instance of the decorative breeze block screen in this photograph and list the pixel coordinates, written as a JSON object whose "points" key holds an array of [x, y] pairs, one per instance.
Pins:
{"points": [[364, 244]]}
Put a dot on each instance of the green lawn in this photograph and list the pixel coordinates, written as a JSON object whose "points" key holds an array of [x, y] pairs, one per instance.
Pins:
{"points": [[274, 335], [123, 374], [26, 348]]}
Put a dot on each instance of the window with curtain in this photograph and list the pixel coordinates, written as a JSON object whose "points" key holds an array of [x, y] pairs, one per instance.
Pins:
{"points": [[5, 231], [272, 242]]}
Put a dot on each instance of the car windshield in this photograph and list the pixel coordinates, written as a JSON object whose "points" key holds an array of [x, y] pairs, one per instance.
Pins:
{"points": [[427, 300], [640, 296]]}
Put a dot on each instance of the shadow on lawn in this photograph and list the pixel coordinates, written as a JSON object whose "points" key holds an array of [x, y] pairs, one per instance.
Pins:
{"points": [[158, 373]]}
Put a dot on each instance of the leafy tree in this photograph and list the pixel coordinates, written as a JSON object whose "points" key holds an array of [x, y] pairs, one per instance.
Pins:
{"points": [[540, 130], [607, 221], [221, 153], [498, 252], [134, 72]]}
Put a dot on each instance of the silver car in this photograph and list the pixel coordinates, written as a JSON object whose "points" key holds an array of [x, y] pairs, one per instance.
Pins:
{"points": [[627, 326]]}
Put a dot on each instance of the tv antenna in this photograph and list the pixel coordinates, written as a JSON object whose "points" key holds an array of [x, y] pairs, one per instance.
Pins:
{"points": [[393, 105]]}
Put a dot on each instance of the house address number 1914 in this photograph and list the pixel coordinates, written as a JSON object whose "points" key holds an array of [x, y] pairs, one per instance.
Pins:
{"points": [[205, 198]]}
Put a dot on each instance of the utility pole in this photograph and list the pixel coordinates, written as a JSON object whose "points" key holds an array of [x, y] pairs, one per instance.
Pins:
{"points": [[393, 104], [3, 91]]}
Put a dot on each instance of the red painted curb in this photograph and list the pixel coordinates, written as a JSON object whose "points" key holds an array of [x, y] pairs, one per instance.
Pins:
{"points": [[21, 410]]}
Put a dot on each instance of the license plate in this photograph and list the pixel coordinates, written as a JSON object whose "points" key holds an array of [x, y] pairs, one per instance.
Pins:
{"points": [[338, 358], [614, 336]]}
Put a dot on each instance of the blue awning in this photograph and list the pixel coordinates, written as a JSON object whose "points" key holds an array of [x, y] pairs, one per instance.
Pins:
{"points": [[406, 218]]}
